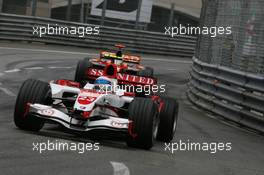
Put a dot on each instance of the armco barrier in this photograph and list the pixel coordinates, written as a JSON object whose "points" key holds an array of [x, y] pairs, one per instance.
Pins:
{"points": [[235, 95], [20, 28]]}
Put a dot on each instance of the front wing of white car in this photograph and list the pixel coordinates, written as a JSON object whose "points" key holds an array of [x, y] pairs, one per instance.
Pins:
{"points": [[49, 113]]}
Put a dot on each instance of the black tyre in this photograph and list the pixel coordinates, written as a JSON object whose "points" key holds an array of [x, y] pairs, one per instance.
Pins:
{"points": [[147, 72], [168, 120], [81, 68], [144, 114], [31, 91]]}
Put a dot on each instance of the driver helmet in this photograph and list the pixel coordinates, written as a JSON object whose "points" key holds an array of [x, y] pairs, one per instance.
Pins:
{"points": [[103, 84]]}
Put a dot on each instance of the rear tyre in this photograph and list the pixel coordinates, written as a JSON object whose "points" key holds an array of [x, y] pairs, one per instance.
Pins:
{"points": [[81, 69], [144, 115], [168, 120], [31, 91], [147, 72]]}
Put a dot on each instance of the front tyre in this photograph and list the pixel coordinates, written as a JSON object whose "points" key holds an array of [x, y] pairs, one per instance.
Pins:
{"points": [[144, 116], [31, 91], [168, 120], [81, 69]]}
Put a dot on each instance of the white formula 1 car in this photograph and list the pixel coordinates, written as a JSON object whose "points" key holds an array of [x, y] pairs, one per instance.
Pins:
{"points": [[83, 109]]}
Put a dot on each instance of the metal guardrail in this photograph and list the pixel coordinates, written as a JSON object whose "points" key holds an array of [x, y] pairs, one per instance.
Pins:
{"points": [[233, 94], [20, 28]]}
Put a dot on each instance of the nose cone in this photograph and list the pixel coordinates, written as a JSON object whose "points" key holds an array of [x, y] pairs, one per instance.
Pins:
{"points": [[110, 71], [85, 101]]}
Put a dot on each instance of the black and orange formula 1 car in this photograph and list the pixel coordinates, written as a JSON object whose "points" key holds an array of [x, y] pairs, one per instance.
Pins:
{"points": [[128, 67]]}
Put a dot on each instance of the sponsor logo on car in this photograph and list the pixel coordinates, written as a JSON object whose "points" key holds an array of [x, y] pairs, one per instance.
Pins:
{"points": [[46, 112], [85, 100], [124, 77], [119, 125]]}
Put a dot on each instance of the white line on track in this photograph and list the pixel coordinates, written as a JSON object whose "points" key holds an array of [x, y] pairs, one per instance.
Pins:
{"points": [[34, 68], [55, 67], [120, 168], [92, 54], [12, 70]]}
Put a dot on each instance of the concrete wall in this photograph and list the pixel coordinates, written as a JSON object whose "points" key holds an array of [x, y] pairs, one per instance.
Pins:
{"points": [[61, 3], [43, 9], [23, 7], [190, 7]]}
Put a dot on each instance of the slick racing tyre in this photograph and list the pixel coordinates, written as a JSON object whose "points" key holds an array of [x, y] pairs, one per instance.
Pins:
{"points": [[168, 120], [147, 72], [144, 116], [81, 68], [31, 91]]}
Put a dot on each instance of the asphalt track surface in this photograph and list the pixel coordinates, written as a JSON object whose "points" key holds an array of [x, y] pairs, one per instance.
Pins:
{"points": [[19, 62]]}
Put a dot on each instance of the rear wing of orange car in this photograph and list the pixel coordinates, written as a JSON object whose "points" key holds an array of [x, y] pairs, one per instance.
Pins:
{"points": [[131, 59], [125, 58]]}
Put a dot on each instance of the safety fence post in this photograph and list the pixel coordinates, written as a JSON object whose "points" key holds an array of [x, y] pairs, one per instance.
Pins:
{"points": [[171, 19], [34, 7], [68, 13], [103, 12], [138, 14]]}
